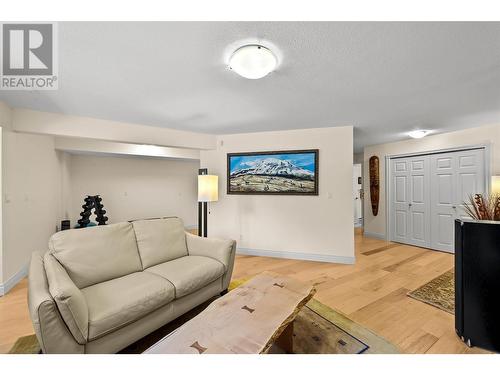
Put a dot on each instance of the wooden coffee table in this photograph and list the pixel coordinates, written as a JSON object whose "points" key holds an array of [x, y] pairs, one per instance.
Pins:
{"points": [[247, 320]]}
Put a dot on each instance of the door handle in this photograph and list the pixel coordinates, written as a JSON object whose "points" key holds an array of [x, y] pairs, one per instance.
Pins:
{"points": [[409, 204]]}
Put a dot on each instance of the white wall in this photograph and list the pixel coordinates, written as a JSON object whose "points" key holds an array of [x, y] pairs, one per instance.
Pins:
{"points": [[32, 205], [308, 227], [135, 188], [2, 286], [5, 124], [376, 225], [5, 116]]}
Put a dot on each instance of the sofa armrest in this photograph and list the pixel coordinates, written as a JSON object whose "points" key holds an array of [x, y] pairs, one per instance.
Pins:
{"points": [[50, 329], [69, 299], [218, 249]]}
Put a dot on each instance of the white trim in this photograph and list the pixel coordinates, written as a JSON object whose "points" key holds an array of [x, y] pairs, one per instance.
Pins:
{"points": [[387, 177], [13, 280], [58, 124], [380, 236], [296, 255], [440, 151], [487, 166], [192, 226], [487, 175], [97, 147]]}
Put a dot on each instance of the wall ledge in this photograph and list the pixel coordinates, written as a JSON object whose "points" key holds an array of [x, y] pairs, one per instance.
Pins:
{"points": [[296, 255], [14, 280]]}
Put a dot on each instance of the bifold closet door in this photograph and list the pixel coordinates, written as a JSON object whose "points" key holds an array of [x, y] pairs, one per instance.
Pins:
{"points": [[455, 175], [411, 200], [400, 200]]}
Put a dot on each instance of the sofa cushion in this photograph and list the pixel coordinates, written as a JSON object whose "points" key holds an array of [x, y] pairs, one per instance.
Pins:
{"points": [[160, 240], [115, 303], [70, 300], [189, 273], [96, 254]]}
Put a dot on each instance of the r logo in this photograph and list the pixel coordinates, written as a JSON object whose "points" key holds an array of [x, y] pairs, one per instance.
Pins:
{"points": [[27, 49]]}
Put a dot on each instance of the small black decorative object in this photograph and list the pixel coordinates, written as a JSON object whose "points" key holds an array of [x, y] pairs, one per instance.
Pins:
{"points": [[65, 225], [99, 211], [92, 203], [87, 211]]}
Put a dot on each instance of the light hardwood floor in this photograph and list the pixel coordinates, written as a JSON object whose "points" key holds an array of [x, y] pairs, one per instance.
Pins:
{"points": [[372, 292]]}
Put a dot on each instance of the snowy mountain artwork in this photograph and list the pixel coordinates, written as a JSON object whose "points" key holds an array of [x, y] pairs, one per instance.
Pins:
{"points": [[274, 172]]}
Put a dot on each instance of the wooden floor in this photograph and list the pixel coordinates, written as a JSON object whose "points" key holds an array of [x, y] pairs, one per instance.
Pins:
{"points": [[372, 292], [14, 316]]}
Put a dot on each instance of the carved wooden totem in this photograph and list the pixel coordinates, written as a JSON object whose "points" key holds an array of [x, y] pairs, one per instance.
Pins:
{"points": [[374, 183]]}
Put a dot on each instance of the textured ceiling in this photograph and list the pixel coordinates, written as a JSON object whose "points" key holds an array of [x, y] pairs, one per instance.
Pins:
{"points": [[383, 78]]}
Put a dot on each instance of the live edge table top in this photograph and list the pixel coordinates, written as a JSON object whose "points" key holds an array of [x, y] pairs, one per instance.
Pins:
{"points": [[247, 320]]}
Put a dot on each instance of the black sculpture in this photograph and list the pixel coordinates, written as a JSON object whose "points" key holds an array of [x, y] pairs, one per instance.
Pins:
{"points": [[87, 211], [92, 202], [99, 211]]}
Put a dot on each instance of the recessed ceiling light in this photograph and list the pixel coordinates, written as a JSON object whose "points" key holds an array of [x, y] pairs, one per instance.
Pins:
{"points": [[418, 133], [253, 61]]}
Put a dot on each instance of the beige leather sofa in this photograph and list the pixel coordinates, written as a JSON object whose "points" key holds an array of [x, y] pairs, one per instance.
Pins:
{"points": [[99, 289]]}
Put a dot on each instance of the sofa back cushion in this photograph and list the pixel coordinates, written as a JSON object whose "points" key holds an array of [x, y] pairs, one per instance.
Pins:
{"points": [[160, 240], [96, 254]]}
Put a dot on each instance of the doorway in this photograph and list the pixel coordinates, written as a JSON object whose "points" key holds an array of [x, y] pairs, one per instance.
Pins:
{"points": [[357, 193]]}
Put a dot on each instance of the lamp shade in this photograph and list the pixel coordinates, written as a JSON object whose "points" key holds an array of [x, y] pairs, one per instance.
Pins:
{"points": [[495, 185], [208, 188]]}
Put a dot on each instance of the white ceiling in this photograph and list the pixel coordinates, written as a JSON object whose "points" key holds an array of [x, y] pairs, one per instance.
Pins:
{"points": [[383, 78]]}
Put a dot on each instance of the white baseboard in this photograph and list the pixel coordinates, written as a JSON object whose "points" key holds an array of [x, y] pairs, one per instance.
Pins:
{"points": [[296, 255], [380, 236], [13, 280]]}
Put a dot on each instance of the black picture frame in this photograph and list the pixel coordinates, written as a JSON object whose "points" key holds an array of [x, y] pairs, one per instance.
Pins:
{"points": [[315, 180]]}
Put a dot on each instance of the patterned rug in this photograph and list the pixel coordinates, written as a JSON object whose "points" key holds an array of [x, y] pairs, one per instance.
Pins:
{"points": [[439, 292], [318, 329]]}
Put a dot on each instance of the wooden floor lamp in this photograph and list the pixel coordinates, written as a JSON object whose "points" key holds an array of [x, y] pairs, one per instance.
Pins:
{"points": [[208, 191]]}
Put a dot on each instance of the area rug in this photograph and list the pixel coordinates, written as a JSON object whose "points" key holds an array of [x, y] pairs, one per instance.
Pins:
{"points": [[439, 292], [25, 345], [318, 329]]}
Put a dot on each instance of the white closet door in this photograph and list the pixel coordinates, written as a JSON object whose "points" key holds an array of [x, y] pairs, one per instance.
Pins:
{"points": [[443, 211], [470, 178], [410, 200], [419, 202], [400, 200], [455, 175]]}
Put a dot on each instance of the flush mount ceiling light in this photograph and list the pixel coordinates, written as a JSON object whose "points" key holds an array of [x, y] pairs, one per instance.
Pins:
{"points": [[253, 61], [418, 133]]}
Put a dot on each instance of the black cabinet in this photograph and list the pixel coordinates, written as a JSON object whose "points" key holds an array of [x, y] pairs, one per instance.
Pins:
{"points": [[477, 283]]}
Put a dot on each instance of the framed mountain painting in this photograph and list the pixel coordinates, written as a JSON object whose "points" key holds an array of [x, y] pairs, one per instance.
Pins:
{"points": [[273, 172]]}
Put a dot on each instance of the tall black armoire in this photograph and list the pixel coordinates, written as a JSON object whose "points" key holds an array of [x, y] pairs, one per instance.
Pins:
{"points": [[477, 283]]}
